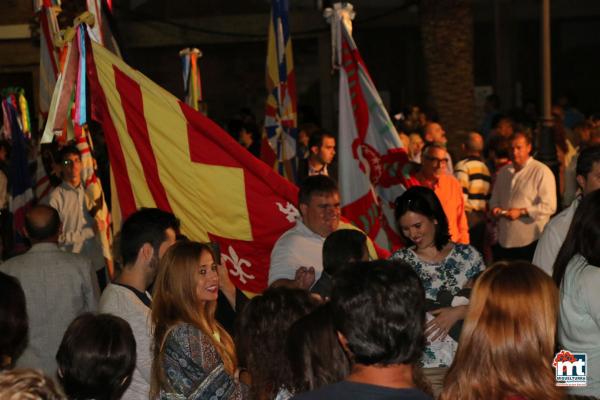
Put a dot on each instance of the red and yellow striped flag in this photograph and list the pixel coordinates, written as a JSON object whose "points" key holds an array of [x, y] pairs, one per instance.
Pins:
{"points": [[164, 154]]}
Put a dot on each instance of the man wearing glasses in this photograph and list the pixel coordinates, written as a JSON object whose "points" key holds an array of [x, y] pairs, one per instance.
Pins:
{"points": [[434, 175], [79, 228]]}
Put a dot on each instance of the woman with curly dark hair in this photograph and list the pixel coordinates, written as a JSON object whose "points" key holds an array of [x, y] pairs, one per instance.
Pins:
{"points": [[263, 328]]}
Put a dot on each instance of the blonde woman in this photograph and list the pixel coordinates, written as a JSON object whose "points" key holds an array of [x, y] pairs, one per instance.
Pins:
{"points": [[506, 345], [194, 357]]}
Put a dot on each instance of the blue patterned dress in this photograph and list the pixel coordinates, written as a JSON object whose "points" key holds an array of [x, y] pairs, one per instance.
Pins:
{"points": [[452, 274], [194, 369]]}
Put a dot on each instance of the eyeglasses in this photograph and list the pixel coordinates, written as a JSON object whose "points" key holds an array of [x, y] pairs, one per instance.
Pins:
{"points": [[68, 163], [437, 160]]}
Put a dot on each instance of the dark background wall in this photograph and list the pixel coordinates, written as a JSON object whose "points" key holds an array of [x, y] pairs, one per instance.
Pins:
{"points": [[505, 54]]}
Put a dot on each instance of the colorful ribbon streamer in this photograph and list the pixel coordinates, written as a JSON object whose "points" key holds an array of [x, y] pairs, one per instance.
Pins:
{"points": [[81, 95], [192, 83]]}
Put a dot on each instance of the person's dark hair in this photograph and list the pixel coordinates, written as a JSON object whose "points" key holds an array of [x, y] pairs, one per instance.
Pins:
{"points": [[499, 118], [341, 247], [583, 237], [13, 319], [69, 149], [309, 127], [422, 200], [315, 354], [147, 225], [96, 357], [42, 232], [586, 159], [316, 138], [379, 307], [265, 322], [234, 127], [316, 185], [500, 146], [5, 145]]}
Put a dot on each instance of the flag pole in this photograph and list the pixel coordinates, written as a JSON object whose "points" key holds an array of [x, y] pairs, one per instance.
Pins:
{"points": [[73, 79], [370, 154]]}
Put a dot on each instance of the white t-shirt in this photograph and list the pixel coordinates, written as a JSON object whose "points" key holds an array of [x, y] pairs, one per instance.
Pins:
{"points": [[553, 238], [297, 247]]}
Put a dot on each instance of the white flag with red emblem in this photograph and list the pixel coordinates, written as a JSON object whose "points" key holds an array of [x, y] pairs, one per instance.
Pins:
{"points": [[371, 155]]}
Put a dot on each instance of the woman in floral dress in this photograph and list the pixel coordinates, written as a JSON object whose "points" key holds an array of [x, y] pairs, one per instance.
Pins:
{"points": [[446, 270]]}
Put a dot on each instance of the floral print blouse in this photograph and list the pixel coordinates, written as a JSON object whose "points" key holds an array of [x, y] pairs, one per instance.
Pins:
{"points": [[194, 369], [462, 264]]}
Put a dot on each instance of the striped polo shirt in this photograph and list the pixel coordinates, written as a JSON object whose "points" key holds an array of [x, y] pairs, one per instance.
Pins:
{"points": [[474, 177]]}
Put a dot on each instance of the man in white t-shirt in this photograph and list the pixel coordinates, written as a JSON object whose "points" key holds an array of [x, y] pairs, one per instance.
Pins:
{"points": [[296, 259], [588, 179]]}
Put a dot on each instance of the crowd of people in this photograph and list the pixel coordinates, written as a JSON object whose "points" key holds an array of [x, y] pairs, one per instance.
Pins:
{"points": [[487, 286]]}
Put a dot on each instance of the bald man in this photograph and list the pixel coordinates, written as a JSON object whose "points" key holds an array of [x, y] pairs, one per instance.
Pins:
{"points": [[58, 287], [434, 133], [474, 177]]}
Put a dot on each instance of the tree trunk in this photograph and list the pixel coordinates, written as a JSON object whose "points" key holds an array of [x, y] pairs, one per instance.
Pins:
{"points": [[447, 36]]}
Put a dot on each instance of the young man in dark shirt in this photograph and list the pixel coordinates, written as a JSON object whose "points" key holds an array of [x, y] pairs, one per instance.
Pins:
{"points": [[379, 315]]}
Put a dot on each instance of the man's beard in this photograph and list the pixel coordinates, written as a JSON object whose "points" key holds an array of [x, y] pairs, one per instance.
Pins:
{"points": [[153, 268]]}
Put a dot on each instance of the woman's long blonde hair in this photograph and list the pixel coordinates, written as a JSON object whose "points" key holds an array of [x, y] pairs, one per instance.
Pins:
{"points": [[174, 301], [507, 342]]}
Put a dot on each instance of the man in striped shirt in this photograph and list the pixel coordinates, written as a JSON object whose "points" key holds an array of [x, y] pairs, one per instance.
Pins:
{"points": [[474, 177]]}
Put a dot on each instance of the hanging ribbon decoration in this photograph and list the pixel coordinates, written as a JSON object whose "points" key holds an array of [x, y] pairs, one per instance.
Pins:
{"points": [[25, 118], [192, 84], [16, 97], [81, 95]]}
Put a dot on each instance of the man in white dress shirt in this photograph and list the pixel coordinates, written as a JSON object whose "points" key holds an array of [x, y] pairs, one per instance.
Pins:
{"points": [[523, 200]]}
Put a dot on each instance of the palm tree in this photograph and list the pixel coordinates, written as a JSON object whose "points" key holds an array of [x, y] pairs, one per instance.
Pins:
{"points": [[447, 37]]}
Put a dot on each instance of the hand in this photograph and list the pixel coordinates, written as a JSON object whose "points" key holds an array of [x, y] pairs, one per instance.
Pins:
{"points": [[226, 287], [305, 277], [225, 283], [445, 318], [513, 213], [496, 212], [317, 297]]}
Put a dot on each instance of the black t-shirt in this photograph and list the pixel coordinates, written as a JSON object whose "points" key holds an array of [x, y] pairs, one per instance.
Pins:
{"points": [[360, 391]]}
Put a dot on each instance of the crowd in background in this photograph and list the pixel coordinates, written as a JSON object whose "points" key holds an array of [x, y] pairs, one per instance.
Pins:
{"points": [[498, 268]]}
